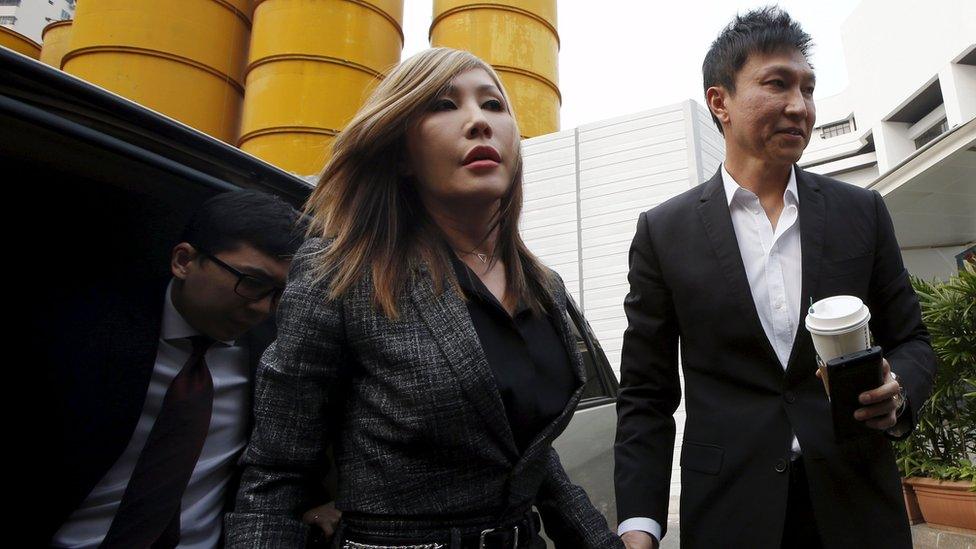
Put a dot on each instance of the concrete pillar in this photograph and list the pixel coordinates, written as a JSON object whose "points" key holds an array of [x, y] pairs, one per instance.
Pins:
{"points": [[958, 83], [892, 144]]}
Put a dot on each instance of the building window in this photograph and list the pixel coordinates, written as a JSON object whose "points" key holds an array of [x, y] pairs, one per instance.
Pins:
{"points": [[931, 133], [837, 128], [9, 2], [8, 20]]}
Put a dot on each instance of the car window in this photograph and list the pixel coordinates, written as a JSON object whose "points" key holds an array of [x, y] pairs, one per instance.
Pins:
{"points": [[595, 387]]}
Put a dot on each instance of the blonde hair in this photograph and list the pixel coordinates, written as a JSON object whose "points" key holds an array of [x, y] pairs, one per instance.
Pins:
{"points": [[373, 214]]}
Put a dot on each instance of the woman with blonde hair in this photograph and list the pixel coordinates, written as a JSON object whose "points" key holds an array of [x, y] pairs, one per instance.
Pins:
{"points": [[420, 339]]}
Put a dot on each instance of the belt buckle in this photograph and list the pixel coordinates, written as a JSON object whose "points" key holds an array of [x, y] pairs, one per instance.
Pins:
{"points": [[515, 532], [355, 545]]}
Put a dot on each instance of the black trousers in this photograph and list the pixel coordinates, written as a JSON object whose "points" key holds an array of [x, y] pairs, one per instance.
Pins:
{"points": [[800, 528]]}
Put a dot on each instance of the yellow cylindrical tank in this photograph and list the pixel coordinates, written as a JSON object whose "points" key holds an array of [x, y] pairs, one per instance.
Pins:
{"points": [[310, 67], [54, 42], [183, 58], [12, 39], [519, 39]]}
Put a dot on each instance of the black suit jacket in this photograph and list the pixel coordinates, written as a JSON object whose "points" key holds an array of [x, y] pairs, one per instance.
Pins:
{"points": [[98, 354], [688, 290]]}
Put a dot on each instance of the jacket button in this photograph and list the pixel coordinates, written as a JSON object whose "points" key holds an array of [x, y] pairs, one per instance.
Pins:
{"points": [[781, 465], [789, 396]]}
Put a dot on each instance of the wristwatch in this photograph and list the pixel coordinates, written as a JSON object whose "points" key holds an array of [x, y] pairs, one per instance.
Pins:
{"points": [[901, 398]]}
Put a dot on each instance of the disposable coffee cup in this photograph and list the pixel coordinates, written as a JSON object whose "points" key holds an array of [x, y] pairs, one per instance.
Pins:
{"points": [[838, 326]]}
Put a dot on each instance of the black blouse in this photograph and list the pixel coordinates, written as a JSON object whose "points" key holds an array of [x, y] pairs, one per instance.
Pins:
{"points": [[526, 354]]}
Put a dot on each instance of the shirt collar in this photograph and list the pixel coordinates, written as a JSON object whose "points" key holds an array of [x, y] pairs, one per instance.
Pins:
{"points": [[176, 327], [474, 288], [732, 187]]}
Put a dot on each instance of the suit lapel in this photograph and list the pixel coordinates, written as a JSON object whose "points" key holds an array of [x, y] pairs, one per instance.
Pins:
{"points": [[812, 224], [713, 209], [445, 314]]}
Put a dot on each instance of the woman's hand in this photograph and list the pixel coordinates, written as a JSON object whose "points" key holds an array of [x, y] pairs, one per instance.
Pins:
{"points": [[325, 517]]}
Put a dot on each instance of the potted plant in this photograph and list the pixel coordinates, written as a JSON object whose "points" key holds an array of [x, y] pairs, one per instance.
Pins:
{"points": [[937, 459]]}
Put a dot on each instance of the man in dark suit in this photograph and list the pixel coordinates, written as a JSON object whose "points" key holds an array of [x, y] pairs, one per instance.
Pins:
{"points": [[724, 273], [153, 382]]}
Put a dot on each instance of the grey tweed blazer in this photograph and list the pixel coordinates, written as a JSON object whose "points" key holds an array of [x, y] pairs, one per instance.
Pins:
{"points": [[411, 409]]}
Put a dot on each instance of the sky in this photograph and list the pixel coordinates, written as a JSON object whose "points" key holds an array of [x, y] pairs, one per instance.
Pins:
{"points": [[627, 56]]}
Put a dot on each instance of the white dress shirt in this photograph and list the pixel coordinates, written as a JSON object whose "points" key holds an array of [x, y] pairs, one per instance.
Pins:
{"points": [[202, 508], [772, 261]]}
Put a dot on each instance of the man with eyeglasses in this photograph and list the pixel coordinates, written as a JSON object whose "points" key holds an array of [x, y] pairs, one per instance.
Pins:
{"points": [[158, 409]]}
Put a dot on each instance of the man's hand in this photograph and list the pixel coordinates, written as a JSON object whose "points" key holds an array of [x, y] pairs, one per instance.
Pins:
{"points": [[638, 539], [881, 404], [325, 517]]}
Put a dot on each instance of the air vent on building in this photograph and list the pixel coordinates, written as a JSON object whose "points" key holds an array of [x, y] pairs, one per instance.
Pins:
{"points": [[837, 128], [935, 131]]}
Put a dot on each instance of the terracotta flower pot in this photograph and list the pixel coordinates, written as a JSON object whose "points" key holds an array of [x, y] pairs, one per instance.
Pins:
{"points": [[946, 503], [911, 501]]}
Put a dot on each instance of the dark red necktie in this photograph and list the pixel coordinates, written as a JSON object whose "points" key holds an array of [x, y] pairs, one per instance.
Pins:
{"points": [[149, 514]]}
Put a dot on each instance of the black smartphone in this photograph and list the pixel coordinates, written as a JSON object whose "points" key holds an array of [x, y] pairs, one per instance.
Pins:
{"points": [[849, 376]]}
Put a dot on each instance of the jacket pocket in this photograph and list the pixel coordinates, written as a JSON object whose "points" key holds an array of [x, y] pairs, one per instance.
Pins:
{"points": [[704, 458], [840, 268]]}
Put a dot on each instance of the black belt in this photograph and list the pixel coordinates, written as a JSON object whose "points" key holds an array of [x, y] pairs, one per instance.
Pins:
{"points": [[516, 534]]}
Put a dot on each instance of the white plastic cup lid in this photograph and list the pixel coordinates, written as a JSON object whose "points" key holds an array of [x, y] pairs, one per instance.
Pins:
{"points": [[839, 313]]}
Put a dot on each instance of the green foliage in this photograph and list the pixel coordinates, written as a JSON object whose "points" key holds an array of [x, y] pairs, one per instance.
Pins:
{"points": [[943, 444]]}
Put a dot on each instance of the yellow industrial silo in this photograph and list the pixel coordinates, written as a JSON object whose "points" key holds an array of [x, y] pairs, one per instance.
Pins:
{"points": [[12, 39], [311, 65], [183, 58], [54, 42], [519, 39]]}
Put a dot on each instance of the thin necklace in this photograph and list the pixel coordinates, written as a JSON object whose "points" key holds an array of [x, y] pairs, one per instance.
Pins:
{"points": [[483, 257]]}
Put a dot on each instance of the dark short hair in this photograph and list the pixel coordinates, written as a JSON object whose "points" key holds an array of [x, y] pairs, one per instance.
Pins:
{"points": [[764, 30], [230, 219]]}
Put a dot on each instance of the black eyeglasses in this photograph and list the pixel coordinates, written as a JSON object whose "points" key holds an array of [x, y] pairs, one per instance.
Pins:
{"points": [[249, 287]]}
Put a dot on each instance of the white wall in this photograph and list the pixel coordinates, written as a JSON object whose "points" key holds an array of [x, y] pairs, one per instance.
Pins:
{"points": [[958, 84], [932, 263], [917, 41], [711, 144], [584, 189], [549, 213], [861, 177], [627, 165], [893, 49]]}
